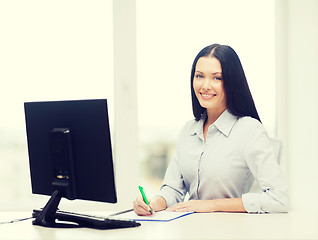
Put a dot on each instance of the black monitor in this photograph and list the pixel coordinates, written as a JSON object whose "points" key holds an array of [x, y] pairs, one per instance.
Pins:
{"points": [[70, 153]]}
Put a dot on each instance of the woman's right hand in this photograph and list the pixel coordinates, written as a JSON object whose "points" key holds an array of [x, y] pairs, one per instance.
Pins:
{"points": [[142, 209]]}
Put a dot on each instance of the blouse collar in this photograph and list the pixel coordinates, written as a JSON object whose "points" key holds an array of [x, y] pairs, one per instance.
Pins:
{"points": [[224, 123]]}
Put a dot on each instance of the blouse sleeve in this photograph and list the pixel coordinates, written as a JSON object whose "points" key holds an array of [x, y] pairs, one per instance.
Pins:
{"points": [[173, 189], [263, 164]]}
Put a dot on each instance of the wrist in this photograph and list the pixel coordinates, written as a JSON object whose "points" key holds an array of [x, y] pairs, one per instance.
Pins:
{"points": [[216, 205], [158, 204], [228, 205]]}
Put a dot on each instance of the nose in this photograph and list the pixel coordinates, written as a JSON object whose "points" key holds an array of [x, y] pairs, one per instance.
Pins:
{"points": [[206, 84]]}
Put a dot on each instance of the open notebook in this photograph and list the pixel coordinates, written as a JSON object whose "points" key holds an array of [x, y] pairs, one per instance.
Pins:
{"points": [[162, 216]]}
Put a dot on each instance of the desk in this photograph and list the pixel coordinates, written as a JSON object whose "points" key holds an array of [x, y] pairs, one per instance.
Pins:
{"points": [[293, 225]]}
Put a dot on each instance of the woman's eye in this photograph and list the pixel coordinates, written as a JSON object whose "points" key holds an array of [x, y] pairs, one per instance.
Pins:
{"points": [[198, 76], [218, 78]]}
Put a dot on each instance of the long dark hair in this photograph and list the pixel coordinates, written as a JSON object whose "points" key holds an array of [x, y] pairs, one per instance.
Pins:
{"points": [[239, 100]]}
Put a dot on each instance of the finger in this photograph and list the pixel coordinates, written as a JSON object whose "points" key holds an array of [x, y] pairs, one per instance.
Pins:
{"points": [[172, 208], [142, 203], [179, 207], [151, 206], [183, 209], [141, 208], [142, 212], [138, 206]]}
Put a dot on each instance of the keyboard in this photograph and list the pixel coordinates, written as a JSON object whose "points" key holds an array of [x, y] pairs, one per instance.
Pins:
{"points": [[90, 221]]}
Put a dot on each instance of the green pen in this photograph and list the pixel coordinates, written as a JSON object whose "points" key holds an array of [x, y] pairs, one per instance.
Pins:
{"points": [[144, 197]]}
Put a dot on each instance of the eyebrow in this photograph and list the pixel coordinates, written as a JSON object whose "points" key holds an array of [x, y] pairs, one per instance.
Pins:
{"points": [[215, 73]]}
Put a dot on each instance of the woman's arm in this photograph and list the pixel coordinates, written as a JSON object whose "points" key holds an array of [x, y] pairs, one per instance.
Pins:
{"points": [[262, 162], [216, 205]]}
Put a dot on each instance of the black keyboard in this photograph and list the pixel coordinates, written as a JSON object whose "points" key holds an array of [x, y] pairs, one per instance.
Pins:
{"points": [[90, 221]]}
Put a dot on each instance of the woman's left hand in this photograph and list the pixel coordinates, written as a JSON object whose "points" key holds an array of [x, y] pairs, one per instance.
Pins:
{"points": [[193, 206]]}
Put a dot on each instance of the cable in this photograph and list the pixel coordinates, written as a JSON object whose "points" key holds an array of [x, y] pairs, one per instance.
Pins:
{"points": [[17, 220]]}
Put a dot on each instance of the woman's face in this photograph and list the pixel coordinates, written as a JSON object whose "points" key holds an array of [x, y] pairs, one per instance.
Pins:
{"points": [[208, 84]]}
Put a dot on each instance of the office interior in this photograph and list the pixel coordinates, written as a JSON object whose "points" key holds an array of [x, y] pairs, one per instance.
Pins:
{"points": [[138, 55]]}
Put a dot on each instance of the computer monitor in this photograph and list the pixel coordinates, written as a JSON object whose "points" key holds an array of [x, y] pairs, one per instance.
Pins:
{"points": [[70, 153]]}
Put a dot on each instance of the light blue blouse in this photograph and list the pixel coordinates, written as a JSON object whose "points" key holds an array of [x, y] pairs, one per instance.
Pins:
{"points": [[236, 151]]}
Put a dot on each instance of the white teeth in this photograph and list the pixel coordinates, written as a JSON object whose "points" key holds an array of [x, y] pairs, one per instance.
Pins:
{"points": [[208, 95]]}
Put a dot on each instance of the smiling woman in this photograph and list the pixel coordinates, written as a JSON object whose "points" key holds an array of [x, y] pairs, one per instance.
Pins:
{"points": [[222, 151]]}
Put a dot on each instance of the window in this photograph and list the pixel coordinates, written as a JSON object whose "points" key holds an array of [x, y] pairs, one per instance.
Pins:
{"points": [[58, 50]]}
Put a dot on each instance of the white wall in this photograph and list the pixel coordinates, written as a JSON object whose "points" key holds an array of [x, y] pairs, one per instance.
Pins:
{"points": [[297, 81]]}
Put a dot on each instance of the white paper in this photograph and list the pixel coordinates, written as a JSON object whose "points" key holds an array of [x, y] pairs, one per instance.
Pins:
{"points": [[164, 216]]}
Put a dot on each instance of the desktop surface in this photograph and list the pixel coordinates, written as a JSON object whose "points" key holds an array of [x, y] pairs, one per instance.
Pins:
{"points": [[293, 225]]}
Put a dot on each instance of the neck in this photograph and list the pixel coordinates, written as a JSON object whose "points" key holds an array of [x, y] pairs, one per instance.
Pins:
{"points": [[213, 115]]}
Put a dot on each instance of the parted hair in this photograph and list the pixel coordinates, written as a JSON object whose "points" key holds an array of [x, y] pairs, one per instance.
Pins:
{"points": [[239, 100]]}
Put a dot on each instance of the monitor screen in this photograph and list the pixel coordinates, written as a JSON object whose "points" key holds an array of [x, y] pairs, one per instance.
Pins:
{"points": [[69, 145]]}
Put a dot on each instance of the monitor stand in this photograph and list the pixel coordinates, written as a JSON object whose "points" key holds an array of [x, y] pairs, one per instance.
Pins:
{"points": [[47, 217], [50, 213]]}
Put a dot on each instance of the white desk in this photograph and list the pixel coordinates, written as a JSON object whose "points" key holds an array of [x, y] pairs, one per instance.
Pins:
{"points": [[294, 225]]}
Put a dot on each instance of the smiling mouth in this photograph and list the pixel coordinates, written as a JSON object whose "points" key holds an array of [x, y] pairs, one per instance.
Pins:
{"points": [[207, 96]]}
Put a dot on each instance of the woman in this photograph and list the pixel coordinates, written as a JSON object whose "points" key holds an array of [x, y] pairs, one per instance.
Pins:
{"points": [[222, 151]]}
